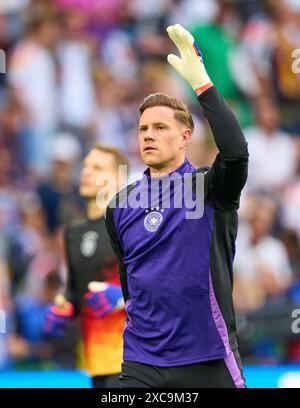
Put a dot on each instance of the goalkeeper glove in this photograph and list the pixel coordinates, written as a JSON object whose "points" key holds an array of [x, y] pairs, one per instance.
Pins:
{"points": [[103, 298], [58, 316], [190, 66]]}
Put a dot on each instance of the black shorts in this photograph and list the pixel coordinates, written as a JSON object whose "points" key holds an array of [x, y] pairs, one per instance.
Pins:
{"points": [[106, 381], [223, 373]]}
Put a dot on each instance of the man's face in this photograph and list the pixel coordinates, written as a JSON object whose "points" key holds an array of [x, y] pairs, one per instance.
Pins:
{"points": [[162, 138], [94, 166]]}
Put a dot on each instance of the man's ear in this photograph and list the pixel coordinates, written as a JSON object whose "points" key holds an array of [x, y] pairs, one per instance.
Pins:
{"points": [[186, 136]]}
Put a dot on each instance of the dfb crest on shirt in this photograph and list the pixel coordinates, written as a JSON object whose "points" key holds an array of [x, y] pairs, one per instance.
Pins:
{"points": [[153, 220], [88, 244]]}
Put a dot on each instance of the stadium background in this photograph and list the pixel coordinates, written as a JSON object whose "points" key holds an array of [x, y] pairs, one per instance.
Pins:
{"points": [[76, 71]]}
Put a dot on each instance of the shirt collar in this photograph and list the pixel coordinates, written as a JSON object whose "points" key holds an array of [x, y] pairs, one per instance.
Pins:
{"points": [[185, 167]]}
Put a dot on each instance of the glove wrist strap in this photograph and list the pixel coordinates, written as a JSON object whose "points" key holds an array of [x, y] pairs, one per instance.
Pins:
{"points": [[203, 88]]}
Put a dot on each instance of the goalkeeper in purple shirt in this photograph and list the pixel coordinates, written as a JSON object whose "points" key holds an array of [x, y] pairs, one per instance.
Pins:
{"points": [[176, 271]]}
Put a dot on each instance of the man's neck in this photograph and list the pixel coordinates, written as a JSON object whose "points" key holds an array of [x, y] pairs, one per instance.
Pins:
{"points": [[162, 171], [94, 211]]}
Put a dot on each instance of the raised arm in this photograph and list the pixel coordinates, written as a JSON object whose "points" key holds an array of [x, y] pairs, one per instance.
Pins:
{"points": [[228, 174]]}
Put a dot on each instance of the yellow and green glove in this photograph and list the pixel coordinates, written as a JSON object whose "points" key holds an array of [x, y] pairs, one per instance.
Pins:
{"points": [[190, 66]]}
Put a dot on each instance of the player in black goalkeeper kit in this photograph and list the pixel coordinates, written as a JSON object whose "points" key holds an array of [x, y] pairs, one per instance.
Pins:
{"points": [[93, 291], [176, 270]]}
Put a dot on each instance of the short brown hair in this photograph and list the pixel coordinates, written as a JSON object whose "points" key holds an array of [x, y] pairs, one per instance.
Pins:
{"points": [[181, 112], [120, 158]]}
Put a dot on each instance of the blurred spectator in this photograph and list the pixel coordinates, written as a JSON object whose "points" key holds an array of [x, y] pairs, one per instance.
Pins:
{"points": [[118, 52], [33, 75], [27, 240], [13, 136], [262, 266], [116, 115], [228, 64], [150, 23], [75, 59], [272, 151], [9, 214], [291, 205], [270, 38], [291, 198], [28, 345], [291, 241], [58, 193], [257, 40], [286, 81], [109, 125]]}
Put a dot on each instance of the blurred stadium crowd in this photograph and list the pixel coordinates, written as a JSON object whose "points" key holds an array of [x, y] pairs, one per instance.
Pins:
{"points": [[76, 71]]}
